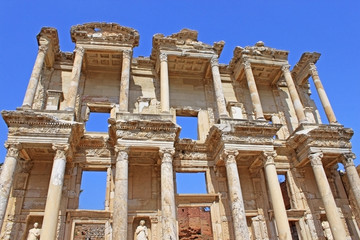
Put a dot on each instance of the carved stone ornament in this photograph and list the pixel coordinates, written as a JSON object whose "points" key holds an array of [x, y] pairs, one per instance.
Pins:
{"points": [[214, 61], [123, 153], [13, 149], [79, 50], [348, 159], [247, 64], [315, 158], [229, 156], [166, 154], [269, 157], [285, 68], [127, 54], [43, 49], [61, 150], [313, 70], [163, 57]]}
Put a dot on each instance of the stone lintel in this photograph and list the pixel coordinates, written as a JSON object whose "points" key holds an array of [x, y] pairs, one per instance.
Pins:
{"points": [[300, 71]]}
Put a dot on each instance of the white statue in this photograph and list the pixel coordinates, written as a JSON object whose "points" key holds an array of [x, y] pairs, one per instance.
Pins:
{"points": [[34, 233], [141, 231]]}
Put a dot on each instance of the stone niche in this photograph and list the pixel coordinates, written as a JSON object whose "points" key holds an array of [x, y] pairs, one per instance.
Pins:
{"points": [[136, 223]]}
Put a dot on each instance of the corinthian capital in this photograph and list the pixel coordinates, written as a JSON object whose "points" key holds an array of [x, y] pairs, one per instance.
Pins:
{"points": [[127, 54], [43, 49], [166, 155], [13, 149], [313, 70], [348, 159], [247, 64], [163, 57], [123, 153], [315, 158], [269, 157], [79, 51], [229, 156], [62, 150], [214, 61], [285, 68]]}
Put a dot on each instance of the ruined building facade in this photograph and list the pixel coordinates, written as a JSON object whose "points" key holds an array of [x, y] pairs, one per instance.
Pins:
{"points": [[256, 122]]}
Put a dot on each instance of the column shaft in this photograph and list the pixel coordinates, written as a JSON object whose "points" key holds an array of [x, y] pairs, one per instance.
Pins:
{"points": [[75, 78], [125, 82], [168, 208], [220, 99], [331, 210], [120, 212], [282, 222], [352, 176], [236, 198], [164, 84], [7, 177], [35, 75], [254, 94], [322, 95], [299, 109], [53, 200]]}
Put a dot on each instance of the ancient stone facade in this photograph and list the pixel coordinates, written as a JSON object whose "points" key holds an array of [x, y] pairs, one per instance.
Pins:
{"points": [[256, 123]]}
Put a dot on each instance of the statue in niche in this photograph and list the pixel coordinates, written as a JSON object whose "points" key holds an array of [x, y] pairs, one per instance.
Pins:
{"points": [[327, 231], [34, 233], [141, 231]]}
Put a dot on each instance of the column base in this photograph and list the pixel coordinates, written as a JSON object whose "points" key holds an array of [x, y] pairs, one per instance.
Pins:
{"points": [[69, 109], [26, 106]]}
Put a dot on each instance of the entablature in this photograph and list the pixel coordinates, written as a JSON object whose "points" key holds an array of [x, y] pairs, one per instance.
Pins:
{"points": [[301, 71]]}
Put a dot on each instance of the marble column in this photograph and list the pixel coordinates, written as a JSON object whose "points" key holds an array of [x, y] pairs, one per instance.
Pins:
{"points": [[220, 99], [36, 72], [353, 176], [125, 81], [331, 210], [168, 208], [254, 94], [7, 176], [322, 94], [164, 84], [299, 109], [277, 201], [52, 207], [120, 212], [75, 78], [236, 197]]}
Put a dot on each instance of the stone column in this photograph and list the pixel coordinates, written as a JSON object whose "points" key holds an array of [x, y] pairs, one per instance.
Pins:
{"points": [[164, 84], [220, 99], [35, 75], [331, 210], [125, 81], [236, 198], [254, 94], [299, 109], [322, 95], [7, 176], [168, 208], [352, 175], [52, 207], [120, 212], [75, 78], [277, 200]]}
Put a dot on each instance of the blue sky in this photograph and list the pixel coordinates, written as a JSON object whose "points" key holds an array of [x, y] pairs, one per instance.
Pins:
{"points": [[328, 27]]}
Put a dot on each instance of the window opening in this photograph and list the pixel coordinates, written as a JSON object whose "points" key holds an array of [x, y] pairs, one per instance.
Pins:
{"points": [[284, 190], [93, 190], [191, 183], [189, 126], [293, 230], [98, 122]]}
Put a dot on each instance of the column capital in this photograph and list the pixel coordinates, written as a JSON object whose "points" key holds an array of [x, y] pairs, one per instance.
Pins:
{"points": [[229, 155], [347, 159], [122, 152], [62, 150], [247, 64], [163, 57], [214, 61], [127, 54], [268, 157], [79, 50], [166, 154], [13, 149], [315, 158], [285, 68], [313, 70], [43, 48]]}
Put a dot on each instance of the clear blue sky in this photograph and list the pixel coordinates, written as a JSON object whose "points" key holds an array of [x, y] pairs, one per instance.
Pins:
{"points": [[328, 27]]}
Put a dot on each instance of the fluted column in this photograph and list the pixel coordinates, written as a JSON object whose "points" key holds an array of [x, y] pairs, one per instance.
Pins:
{"points": [[299, 108], [35, 75], [164, 84], [219, 94], [120, 212], [254, 94], [331, 210], [277, 200], [125, 81], [75, 78], [168, 208], [236, 197], [52, 207], [322, 95], [352, 175], [7, 176]]}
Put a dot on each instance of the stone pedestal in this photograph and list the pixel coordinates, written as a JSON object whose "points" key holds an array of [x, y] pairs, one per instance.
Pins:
{"points": [[168, 208], [35, 75], [120, 212], [322, 95], [7, 176], [54, 98], [277, 201], [164, 84], [220, 99], [52, 207], [331, 210], [299, 109], [236, 198], [75, 78], [254, 94], [125, 81]]}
